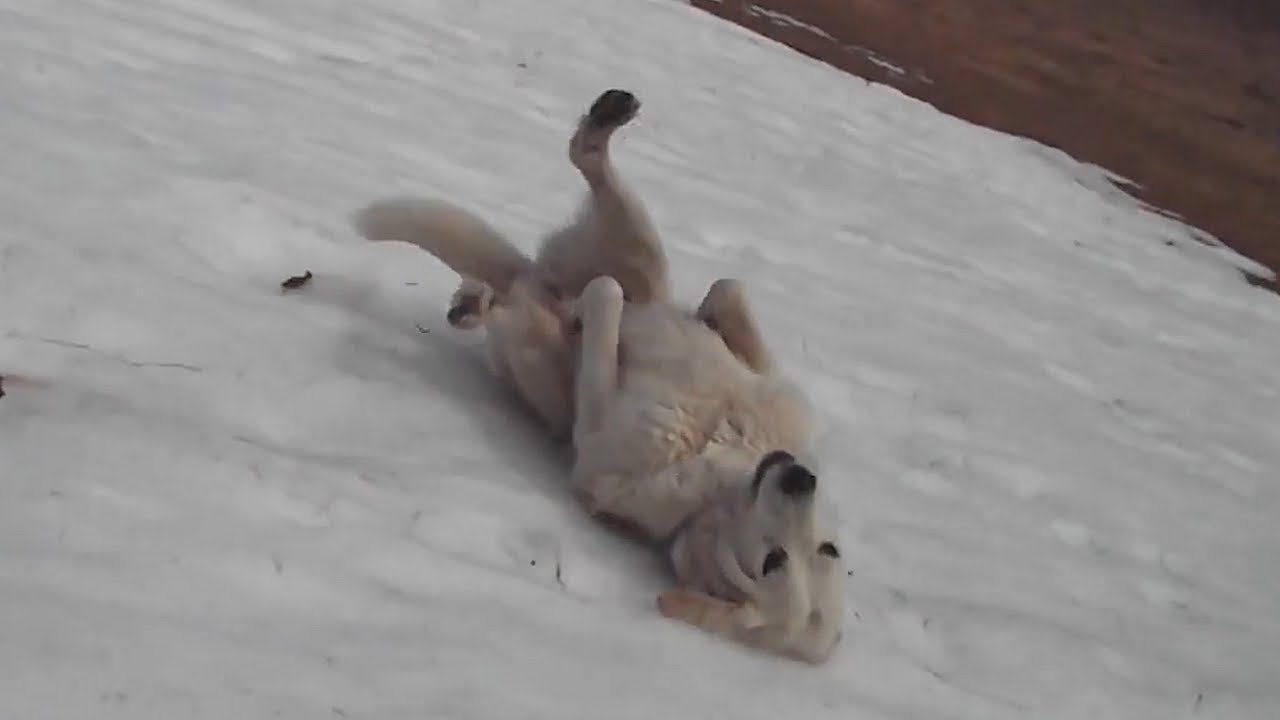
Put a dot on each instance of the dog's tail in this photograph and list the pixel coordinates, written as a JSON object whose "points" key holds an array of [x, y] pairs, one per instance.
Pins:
{"points": [[457, 237]]}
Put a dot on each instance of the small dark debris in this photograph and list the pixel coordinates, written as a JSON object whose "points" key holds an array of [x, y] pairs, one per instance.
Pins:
{"points": [[1, 386], [423, 330], [296, 281], [522, 66], [533, 563], [412, 284], [926, 622], [850, 573], [560, 576], [1170, 243], [1199, 701], [339, 711]]}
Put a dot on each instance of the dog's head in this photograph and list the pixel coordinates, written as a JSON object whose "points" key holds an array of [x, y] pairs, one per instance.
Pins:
{"points": [[799, 572]]}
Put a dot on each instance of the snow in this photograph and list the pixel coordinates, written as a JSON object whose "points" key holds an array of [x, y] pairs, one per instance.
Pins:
{"points": [[1053, 434], [784, 20]]}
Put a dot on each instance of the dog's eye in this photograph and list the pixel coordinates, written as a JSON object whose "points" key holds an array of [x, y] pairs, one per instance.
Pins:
{"points": [[829, 549], [774, 560]]}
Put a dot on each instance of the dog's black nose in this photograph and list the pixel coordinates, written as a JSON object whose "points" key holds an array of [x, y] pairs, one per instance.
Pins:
{"points": [[797, 481], [771, 460]]}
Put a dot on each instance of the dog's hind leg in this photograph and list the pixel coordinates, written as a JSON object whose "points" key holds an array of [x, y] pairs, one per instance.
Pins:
{"points": [[615, 218], [725, 310], [529, 351]]}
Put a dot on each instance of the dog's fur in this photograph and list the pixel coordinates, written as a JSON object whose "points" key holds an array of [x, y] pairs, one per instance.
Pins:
{"points": [[522, 302], [680, 425]]}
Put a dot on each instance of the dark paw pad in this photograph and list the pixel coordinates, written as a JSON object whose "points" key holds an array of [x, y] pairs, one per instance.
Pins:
{"points": [[612, 109]]}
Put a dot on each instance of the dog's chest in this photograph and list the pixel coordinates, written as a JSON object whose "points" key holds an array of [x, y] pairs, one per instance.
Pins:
{"points": [[665, 345]]}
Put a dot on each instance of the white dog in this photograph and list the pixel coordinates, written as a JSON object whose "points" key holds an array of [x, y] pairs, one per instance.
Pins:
{"points": [[680, 425]]}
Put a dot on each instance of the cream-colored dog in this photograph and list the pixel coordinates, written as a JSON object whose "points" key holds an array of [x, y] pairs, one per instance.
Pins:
{"points": [[680, 424]]}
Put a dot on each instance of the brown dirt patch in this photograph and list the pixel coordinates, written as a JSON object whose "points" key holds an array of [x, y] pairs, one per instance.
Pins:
{"points": [[1180, 96]]}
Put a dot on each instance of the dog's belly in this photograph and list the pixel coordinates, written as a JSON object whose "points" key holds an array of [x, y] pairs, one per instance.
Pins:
{"points": [[670, 439], [676, 379]]}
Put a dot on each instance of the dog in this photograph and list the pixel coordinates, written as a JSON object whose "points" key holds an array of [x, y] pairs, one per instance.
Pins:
{"points": [[680, 424]]}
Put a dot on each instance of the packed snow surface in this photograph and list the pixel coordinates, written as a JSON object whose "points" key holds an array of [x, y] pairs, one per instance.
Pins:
{"points": [[1048, 414]]}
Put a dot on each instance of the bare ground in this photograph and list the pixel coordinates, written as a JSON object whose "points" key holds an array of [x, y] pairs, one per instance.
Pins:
{"points": [[1180, 96]]}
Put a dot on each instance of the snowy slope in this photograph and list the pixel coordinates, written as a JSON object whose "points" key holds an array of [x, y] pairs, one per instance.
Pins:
{"points": [[1049, 415]]}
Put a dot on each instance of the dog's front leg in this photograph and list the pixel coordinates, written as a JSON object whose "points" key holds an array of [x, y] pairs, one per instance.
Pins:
{"points": [[711, 614], [597, 378], [740, 622], [724, 309]]}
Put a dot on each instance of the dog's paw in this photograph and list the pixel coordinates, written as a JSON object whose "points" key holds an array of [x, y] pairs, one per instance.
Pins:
{"points": [[463, 320], [681, 604], [614, 108], [711, 614], [466, 312]]}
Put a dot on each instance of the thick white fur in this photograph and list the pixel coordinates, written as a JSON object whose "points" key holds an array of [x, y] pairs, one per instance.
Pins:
{"points": [[670, 410]]}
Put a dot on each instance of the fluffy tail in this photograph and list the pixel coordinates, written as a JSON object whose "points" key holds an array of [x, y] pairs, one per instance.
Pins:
{"points": [[457, 237]]}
